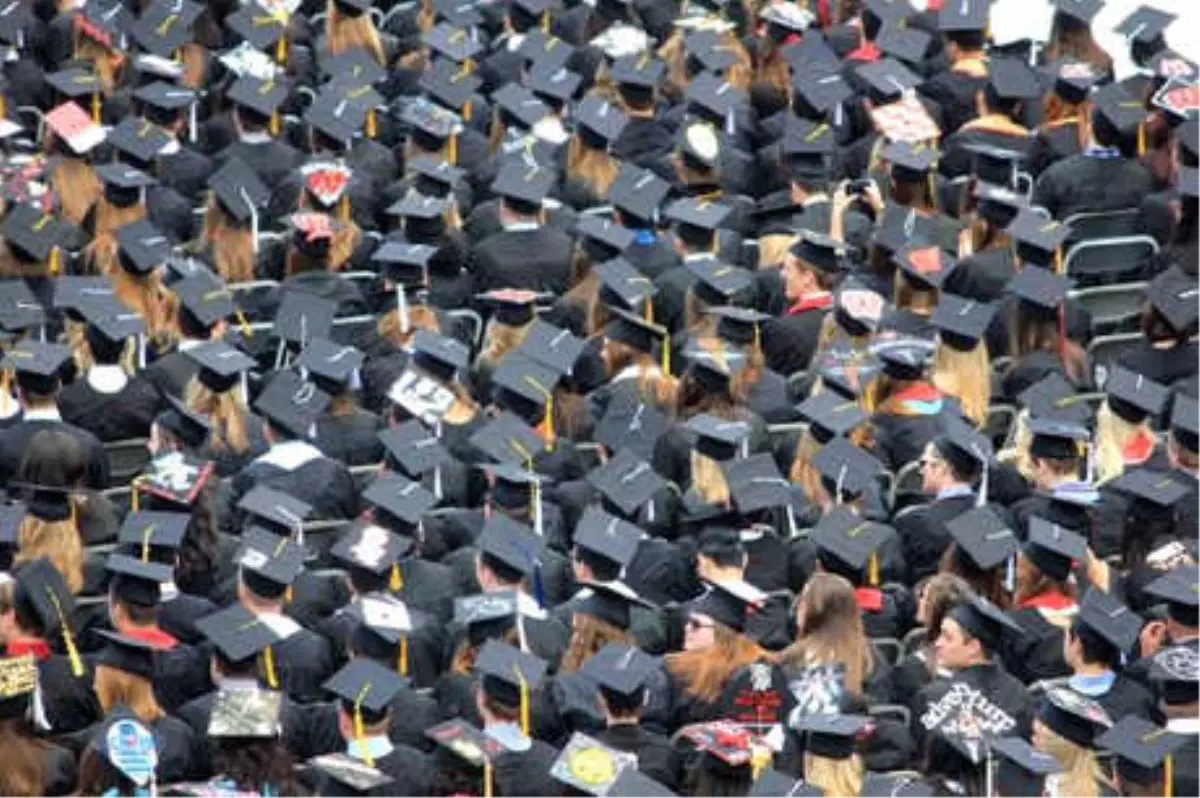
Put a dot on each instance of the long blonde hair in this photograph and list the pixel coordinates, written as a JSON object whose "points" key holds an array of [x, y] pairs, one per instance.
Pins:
{"points": [[1113, 434], [703, 672], [803, 472], [596, 168], [57, 541], [147, 296], [344, 32], [499, 340], [830, 630], [420, 317], [837, 778], [100, 256], [965, 376], [232, 245], [225, 411], [1082, 775], [708, 480], [76, 186], [115, 687], [653, 384]]}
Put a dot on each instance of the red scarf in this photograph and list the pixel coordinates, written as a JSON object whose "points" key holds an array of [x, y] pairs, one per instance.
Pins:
{"points": [[1138, 450], [867, 51], [1050, 600], [36, 646], [155, 637], [821, 300], [869, 598]]}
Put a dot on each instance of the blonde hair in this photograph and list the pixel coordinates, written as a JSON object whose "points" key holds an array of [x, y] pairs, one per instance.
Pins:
{"points": [[803, 472], [831, 630], [81, 350], [708, 481], [105, 63], [147, 296], [115, 687], [589, 634], [1113, 434], [1017, 453], [499, 340], [965, 376], [773, 248], [420, 317], [837, 778], [595, 168], [344, 32], [232, 245], [100, 256], [75, 184], [703, 672], [225, 411], [653, 385], [57, 541], [1081, 774]]}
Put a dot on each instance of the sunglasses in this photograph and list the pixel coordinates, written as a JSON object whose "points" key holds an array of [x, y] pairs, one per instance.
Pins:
{"points": [[696, 625]]}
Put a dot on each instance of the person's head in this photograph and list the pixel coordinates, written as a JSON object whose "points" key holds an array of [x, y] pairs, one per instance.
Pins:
{"points": [[720, 553], [936, 598], [590, 566], [959, 44], [970, 633], [115, 686], [938, 473], [829, 628], [493, 574], [1083, 647], [348, 26], [1081, 774], [801, 277]]}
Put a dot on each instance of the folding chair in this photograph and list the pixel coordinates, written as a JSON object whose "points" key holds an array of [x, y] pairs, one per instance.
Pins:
{"points": [[999, 423], [1102, 351], [1113, 308], [888, 648], [472, 320], [126, 459]]}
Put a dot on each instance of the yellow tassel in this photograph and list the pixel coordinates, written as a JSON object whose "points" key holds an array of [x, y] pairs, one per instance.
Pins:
{"points": [[3, 108], [524, 700], [396, 582], [288, 595], [1141, 139], [269, 666], [68, 638], [548, 418], [760, 760], [243, 324], [487, 778], [402, 657], [452, 150], [546, 22], [873, 569], [146, 534], [359, 732], [371, 127], [649, 310], [134, 501], [1058, 261], [55, 262], [281, 52], [273, 125], [96, 108], [466, 111], [1168, 776], [343, 212], [757, 338], [666, 356]]}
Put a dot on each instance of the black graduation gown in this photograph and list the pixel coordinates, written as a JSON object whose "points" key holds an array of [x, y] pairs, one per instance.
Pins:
{"points": [[1037, 654], [651, 254], [1083, 183], [426, 646], [427, 586], [644, 142], [1029, 370], [411, 772], [322, 482], [886, 611], [1167, 366], [352, 438], [177, 616], [179, 755], [957, 159], [909, 676], [656, 758], [923, 534], [69, 702], [537, 259], [14, 442], [954, 92], [1128, 697], [271, 160], [303, 662], [186, 171], [789, 341], [1051, 144], [526, 774], [412, 714], [901, 439], [171, 373], [127, 413], [982, 276]]}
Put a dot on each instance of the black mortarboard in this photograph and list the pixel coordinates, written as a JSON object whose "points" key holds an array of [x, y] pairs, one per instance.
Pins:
{"points": [[1021, 753], [728, 603], [998, 204], [963, 15], [756, 484], [1055, 399], [236, 633], [292, 403], [414, 448], [456, 43], [552, 347], [772, 783], [143, 247], [1173, 294], [164, 100], [507, 439], [123, 184], [74, 82], [1133, 396], [512, 307], [715, 97], [555, 85], [638, 192], [220, 364], [1074, 80], [610, 602], [1081, 10], [832, 736], [925, 264], [329, 362], [20, 310], [269, 563], [11, 516], [629, 422], [607, 536], [627, 481], [355, 72], [846, 469], [527, 184], [829, 415], [1040, 287], [145, 528], [508, 672], [983, 538], [603, 239], [366, 688], [258, 26], [404, 262], [909, 45], [1178, 588], [451, 87], [544, 50], [886, 80], [808, 147], [41, 593], [1073, 716], [718, 283], [370, 548], [109, 326], [819, 251], [38, 365], [638, 71], [599, 122], [984, 621], [1145, 24], [718, 438], [848, 543], [697, 216], [1185, 422], [1110, 619], [910, 162], [623, 285], [239, 190], [619, 668], [239, 713], [140, 139], [527, 385], [32, 232], [136, 581], [962, 446], [1124, 112], [902, 361], [1012, 79], [1054, 549], [513, 486], [1140, 749], [1056, 439], [632, 329], [511, 543], [205, 298], [338, 119], [962, 322], [128, 654], [282, 511], [302, 316]]}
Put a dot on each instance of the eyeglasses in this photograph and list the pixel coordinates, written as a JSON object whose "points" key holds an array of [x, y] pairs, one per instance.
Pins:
{"points": [[925, 463], [695, 625]]}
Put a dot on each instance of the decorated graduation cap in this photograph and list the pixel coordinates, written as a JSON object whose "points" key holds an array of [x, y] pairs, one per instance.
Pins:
{"points": [[269, 564], [175, 478], [1053, 549], [589, 766], [366, 690], [699, 145], [1143, 753], [984, 621], [727, 745], [70, 123], [18, 680], [372, 549], [1073, 716], [246, 714], [467, 745], [350, 772], [926, 265], [848, 544], [1175, 671], [509, 675], [41, 593]]}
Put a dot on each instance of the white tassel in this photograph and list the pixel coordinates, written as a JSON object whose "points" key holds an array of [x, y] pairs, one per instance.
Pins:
{"points": [[1090, 475], [141, 355], [537, 508], [1010, 573], [791, 520], [437, 470], [838, 489], [837, 115], [253, 219], [730, 129], [981, 499], [650, 512], [192, 123], [402, 308]]}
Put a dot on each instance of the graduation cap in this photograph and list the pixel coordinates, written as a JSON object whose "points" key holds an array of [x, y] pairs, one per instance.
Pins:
{"points": [[846, 470], [623, 285], [239, 190], [1053, 549], [20, 310], [506, 438], [983, 538], [965, 449], [526, 387], [140, 139], [964, 16], [466, 742], [642, 335], [292, 403], [350, 772], [366, 690], [771, 783], [414, 448], [1174, 671], [142, 247], [1012, 79], [371, 548], [1039, 288], [849, 544], [819, 251], [832, 736], [716, 98], [220, 364], [163, 101], [1173, 295], [302, 316], [106, 21], [38, 366], [629, 422], [32, 233], [1073, 716], [589, 766], [242, 713], [907, 44], [756, 484], [143, 529], [72, 124], [788, 16], [509, 675], [1133, 396], [1153, 492], [1056, 439], [259, 27], [1178, 588], [902, 360], [718, 283], [41, 592], [603, 239], [698, 214], [599, 123], [554, 84], [640, 71], [552, 347], [269, 564], [206, 298], [829, 415], [451, 87], [962, 322], [11, 516], [331, 363], [718, 438], [123, 184], [1118, 108], [1021, 753], [910, 162], [730, 743], [1110, 619], [610, 602], [524, 185], [1145, 25], [1053, 398], [608, 537], [1185, 428], [1143, 752], [707, 51], [281, 511], [336, 117], [984, 621], [926, 265], [808, 146], [1179, 98], [137, 581], [729, 603], [511, 544], [541, 49], [455, 43], [130, 655], [627, 481], [511, 306], [237, 635], [887, 80], [18, 680], [632, 783], [638, 193]]}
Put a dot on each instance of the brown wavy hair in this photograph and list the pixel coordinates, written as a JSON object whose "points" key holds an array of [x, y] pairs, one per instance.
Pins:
{"points": [[231, 244], [704, 672], [226, 412], [100, 255], [499, 340], [76, 187], [115, 687], [588, 635], [147, 296], [23, 756], [344, 32], [463, 661], [420, 317], [830, 629], [653, 385], [594, 168]]}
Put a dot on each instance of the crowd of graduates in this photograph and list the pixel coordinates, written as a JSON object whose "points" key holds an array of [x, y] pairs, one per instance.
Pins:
{"points": [[599, 397]]}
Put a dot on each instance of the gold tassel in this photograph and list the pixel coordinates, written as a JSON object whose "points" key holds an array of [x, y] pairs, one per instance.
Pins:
{"points": [[487, 778], [288, 595], [524, 700], [466, 111], [402, 657], [55, 264], [269, 666], [134, 501], [452, 150], [1058, 260], [359, 732], [243, 323], [281, 52], [146, 534], [1141, 139], [396, 582], [1168, 776], [3, 108], [68, 638], [873, 570], [4, 388], [546, 22], [760, 760], [344, 208], [548, 418], [666, 356], [96, 108], [273, 125], [371, 127]]}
